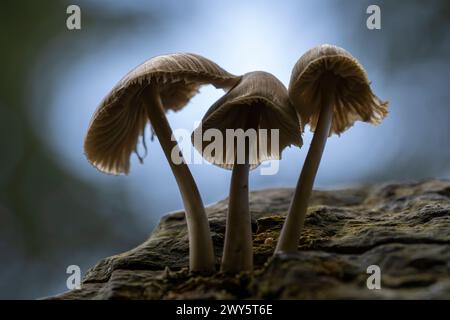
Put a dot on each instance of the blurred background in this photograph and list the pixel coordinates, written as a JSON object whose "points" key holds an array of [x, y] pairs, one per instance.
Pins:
{"points": [[57, 210]]}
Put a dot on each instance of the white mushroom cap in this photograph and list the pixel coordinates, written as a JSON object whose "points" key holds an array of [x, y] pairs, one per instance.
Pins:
{"points": [[353, 98], [121, 118], [258, 93]]}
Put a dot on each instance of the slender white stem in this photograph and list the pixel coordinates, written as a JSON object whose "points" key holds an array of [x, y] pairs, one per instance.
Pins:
{"points": [[201, 252], [293, 225], [238, 246]]}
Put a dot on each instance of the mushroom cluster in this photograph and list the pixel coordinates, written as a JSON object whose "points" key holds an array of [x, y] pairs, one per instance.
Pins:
{"points": [[329, 90]]}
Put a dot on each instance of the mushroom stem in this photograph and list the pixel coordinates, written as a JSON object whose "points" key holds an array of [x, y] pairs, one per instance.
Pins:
{"points": [[238, 247], [293, 225], [201, 252]]}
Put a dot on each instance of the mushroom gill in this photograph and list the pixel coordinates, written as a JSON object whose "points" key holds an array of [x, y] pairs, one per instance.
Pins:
{"points": [[258, 92], [121, 117], [353, 98]]}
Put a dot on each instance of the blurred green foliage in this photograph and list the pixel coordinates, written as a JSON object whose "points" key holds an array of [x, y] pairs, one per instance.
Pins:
{"points": [[47, 215]]}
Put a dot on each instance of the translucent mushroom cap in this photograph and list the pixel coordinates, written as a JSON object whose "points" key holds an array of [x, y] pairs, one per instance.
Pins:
{"points": [[352, 97], [121, 118], [259, 101]]}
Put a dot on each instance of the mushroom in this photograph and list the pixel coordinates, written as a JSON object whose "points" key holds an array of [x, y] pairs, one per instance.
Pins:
{"points": [[330, 90], [160, 84], [259, 101]]}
